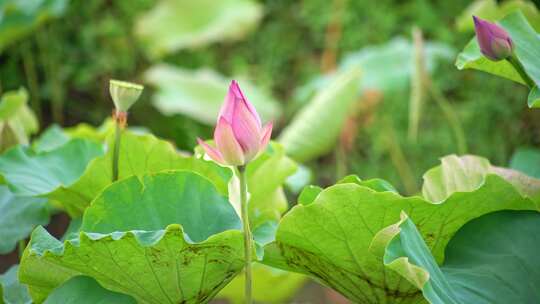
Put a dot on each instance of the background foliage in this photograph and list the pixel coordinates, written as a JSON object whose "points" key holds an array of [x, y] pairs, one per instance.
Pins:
{"points": [[75, 54]]}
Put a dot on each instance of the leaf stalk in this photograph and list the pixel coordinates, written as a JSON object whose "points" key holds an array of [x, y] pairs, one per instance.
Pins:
{"points": [[120, 122], [241, 173], [521, 71]]}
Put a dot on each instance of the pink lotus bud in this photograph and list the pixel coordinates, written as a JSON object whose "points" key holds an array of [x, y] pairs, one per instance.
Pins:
{"points": [[239, 135], [495, 43]]}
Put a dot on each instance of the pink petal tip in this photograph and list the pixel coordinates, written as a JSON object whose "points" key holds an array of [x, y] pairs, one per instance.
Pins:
{"points": [[210, 151]]}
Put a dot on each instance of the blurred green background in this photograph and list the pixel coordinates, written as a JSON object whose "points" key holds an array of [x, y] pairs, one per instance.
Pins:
{"points": [[409, 107], [64, 52]]}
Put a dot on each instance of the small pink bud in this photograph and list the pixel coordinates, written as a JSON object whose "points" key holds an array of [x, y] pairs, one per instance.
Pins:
{"points": [[495, 43], [239, 135]]}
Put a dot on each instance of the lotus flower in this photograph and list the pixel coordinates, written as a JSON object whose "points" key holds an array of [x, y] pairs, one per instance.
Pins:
{"points": [[495, 43], [239, 135]]}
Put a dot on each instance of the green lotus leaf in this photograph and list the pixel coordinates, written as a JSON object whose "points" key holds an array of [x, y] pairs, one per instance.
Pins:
{"points": [[30, 173], [119, 208], [491, 10], [266, 176], [86, 131], [73, 229], [18, 217], [20, 18], [301, 178], [527, 50], [267, 201], [199, 94], [377, 184], [467, 173], [492, 259], [11, 290], [85, 290], [265, 233], [139, 154], [270, 285], [329, 238], [316, 128], [50, 139], [526, 160], [308, 195], [386, 67], [54, 136], [174, 25], [170, 237]]}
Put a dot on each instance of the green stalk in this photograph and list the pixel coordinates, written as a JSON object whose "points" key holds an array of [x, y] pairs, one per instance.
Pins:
{"points": [[341, 162], [451, 117], [418, 86], [116, 151], [398, 158], [521, 71], [46, 41], [241, 172], [31, 77]]}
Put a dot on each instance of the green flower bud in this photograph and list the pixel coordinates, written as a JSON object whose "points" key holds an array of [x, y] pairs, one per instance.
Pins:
{"points": [[124, 94]]}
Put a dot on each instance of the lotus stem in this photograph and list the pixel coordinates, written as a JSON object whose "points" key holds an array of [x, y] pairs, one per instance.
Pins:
{"points": [[241, 172], [120, 122], [521, 71]]}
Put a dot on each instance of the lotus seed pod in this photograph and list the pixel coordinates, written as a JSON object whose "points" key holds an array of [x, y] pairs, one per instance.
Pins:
{"points": [[124, 94]]}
